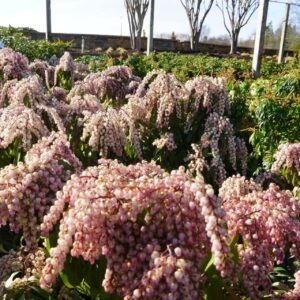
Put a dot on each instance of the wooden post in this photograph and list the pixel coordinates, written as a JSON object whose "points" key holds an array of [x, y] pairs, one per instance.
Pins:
{"points": [[151, 25], [48, 20], [82, 44], [260, 37], [283, 33]]}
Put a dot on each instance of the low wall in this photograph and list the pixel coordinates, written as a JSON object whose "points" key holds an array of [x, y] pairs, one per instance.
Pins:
{"points": [[93, 41], [225, 49]]}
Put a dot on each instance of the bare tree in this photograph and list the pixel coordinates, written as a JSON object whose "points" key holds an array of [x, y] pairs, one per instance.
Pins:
{"points": [[193, 9], [136, 12], [295, 16], [236, 14]]}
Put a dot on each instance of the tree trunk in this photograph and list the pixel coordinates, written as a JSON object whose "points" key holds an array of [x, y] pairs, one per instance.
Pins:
{"points": [[133, 41], [234, 42], [192, 39], [139, 40], [131, 30], [196, 40], [192, 43]]}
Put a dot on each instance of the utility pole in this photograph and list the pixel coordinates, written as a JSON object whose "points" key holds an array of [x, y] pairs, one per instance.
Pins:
{"points": [[121, 28], [48, 20], [283, 33], [82, 44], [260, 37], [151, 25]]}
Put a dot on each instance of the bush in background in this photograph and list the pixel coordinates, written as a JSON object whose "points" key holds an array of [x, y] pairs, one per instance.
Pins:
{"points": [[16, 39]]}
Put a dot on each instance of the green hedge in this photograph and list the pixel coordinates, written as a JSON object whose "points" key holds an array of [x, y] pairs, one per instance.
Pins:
{"points": [[16, 39]]}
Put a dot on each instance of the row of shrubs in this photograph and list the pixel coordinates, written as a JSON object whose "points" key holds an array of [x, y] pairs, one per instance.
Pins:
{"points": [[17, 39], [259, 107]]}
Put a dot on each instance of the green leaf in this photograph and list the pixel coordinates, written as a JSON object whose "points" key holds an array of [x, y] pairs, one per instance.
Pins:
{"points": [[42, 294], [214, 288], [210, 263], [2, 249], [233, 248], [66, 165], [74, 271], [11, 278]]}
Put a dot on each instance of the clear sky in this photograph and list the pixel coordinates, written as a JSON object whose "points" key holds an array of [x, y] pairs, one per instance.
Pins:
{"points": [[109, 16]]}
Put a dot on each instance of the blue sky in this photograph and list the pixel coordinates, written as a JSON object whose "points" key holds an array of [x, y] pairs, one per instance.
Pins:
{"points": [[109, 16]]}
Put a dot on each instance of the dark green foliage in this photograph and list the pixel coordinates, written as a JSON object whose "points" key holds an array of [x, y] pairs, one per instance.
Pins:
{"points": [[34, 49]]}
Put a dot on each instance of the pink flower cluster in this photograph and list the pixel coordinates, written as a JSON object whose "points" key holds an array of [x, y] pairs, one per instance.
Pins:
{"points": [[114, 84], [28, 91], [266, 223], [66, 64], [196, 162], [154, 229], [9, 264], [207, 94], [237, 186], [296, 291], [219, 137], [287, 156], [161, 94], [59, 93], [160, 101], [28, 267], [27, 190], [12, 65], [80, 104], [6, 92], [166, 141], [42, 69], [104, 132], [22, 123]]}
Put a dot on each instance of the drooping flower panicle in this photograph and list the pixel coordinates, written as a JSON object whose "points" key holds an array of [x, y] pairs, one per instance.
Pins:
{"points": [[167, 222]]}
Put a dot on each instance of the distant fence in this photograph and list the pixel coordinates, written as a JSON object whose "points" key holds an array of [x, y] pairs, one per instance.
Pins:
{"points": [[93, 41]]}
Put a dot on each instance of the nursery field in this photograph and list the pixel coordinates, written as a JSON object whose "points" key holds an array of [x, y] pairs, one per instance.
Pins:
{"points": [[162, 177]]}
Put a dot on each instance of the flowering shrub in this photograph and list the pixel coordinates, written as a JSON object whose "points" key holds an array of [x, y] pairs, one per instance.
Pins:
{"points": [[40, 67], [296, 292], [111, 85], [272, 128], [237, 186], [153, 227], [182, 115], [27, 190], [12, 65], [214, 128], [64, 72], [20, 272], [105, 132], [287, 156], [18, 122], [27, 91], [173, 228], [265, 224]]}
